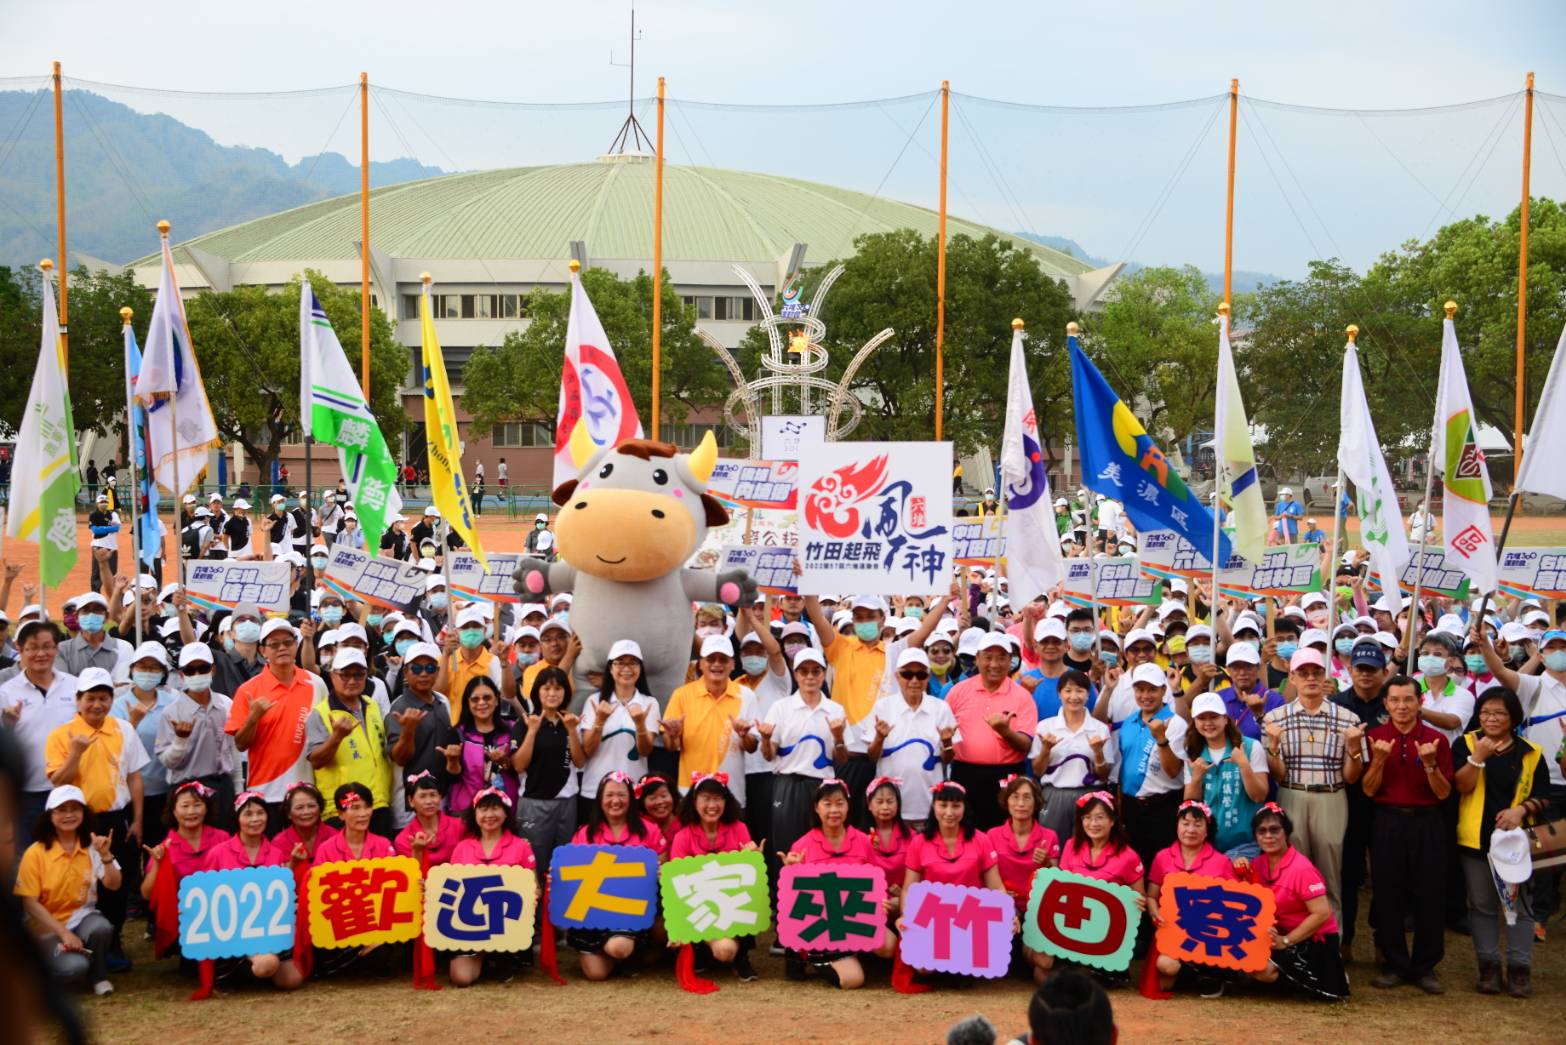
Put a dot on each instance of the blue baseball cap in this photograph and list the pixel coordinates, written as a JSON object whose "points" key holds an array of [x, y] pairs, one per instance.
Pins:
{"points": [[1368, 651], [1553, 635]]}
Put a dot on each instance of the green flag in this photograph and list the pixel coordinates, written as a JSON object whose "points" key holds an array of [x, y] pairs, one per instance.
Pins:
{"points": [[44, 480], [333, 410]]}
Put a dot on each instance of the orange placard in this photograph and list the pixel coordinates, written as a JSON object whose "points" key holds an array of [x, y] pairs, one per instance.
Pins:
{"points": [[1215, 922], [360, 903]]}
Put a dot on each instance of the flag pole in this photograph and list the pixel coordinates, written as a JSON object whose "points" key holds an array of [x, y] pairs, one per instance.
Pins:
{"points": [[995, 564], [174, 499], [1424, 523], [1228, 228], [1223, 317], [1337, 516], [60, 207], [445, 542], [1522, 287], [657, 274], [1500, 547], [940, 268], [135, 483], [364, 236]]}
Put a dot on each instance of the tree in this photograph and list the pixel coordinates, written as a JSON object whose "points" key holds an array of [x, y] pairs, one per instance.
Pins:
{"points": [[247, 344], [519, 379]]}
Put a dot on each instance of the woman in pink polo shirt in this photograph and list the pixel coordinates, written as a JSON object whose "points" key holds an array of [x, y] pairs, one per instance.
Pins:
{"points": [[356, 841], [249, 848], [889, 835], [1099, 848], [710, 823], [831, 840], [950, 849], [658, 803], [614, 820], [431, 834], [1305, 946], [1022, 846], [302, 804], [1192, 853], [183, 851], [491, 842]]}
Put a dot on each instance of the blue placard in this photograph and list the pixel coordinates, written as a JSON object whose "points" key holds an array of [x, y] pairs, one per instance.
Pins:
{"points": [[603, 887], [232, 914]]}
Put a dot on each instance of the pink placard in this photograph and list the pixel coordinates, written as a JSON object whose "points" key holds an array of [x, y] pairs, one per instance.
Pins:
{"points": [[953, 928], [831, 907]]}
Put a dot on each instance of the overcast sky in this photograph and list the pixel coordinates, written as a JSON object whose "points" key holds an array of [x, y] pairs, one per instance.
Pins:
{"points": [[1306, 180]]}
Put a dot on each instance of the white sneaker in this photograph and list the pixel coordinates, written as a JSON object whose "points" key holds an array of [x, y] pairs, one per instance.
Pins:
{"points": [[103, 987]]}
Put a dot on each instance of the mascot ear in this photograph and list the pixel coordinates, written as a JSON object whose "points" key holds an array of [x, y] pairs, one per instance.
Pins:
{"points": [[704, 458], [563, 492], [717, 515]]}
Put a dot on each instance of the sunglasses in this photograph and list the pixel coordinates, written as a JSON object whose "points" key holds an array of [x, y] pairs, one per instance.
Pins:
{"points": [[912, 676], [423, 669], [1270, 829]]}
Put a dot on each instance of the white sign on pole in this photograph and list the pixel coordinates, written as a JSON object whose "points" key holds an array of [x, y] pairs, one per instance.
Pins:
{"points": [[784, 436]]}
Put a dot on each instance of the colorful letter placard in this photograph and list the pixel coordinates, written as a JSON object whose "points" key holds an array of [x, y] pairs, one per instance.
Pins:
{"points": [[360, 903], [380, 581], [710, 897], [952, 928], [603, 887], [1534, 573], [233, 914], [1082, 919], [1215, 922], [470, 581], [831, 907], [475, 908], [1285, 570], [771, 568], [222, 584]]}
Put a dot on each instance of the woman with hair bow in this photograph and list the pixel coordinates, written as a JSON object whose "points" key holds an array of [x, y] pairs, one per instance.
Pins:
{"points": [[710, 818], [1191, 853], [659, 804], [249, 847], [614, 820], [492, 841], [1022, 846], [431, 835], [1305, 942], [184, 850]]}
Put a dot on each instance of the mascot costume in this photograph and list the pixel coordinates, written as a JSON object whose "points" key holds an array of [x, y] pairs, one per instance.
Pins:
{"points": [[628, 523]]}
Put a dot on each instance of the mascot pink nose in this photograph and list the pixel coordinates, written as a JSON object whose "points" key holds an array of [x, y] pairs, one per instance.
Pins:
{"points": [[535, 582], [729, 593]]}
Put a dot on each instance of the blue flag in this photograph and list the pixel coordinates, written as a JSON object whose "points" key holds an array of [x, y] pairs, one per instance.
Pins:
{"points": [[1119, 460], [148, 539]]}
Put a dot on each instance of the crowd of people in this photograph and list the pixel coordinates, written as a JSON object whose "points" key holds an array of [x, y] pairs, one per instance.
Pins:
{"points": [[1313, 745]]}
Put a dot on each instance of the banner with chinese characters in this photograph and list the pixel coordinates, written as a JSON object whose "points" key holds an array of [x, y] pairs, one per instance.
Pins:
{"points": [[711, 897], [611, 887], [1438, 578], [355, 574], [771, 568], [234, 914], [754, 484], [1287, 569], [362, 903], [1118, 579], [222, 584], [978, 542], [475, 908], [1215, 922], [953, 928], [469, 581], [1534, 573], [1165, 554], [831, 907], [875, 518], [1081, 919]]}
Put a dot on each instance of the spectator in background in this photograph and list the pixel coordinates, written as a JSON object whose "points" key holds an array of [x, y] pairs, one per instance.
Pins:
{"points": [[1286, 520]]}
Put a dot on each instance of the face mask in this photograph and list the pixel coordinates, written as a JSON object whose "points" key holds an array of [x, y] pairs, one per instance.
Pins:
{"points": [[706, 631], [146, 679], [1288, 649], [914, 612], [1016, 662], [1317, 618], [1475, 663], [1432, 664], [331, 616], [1109, 656], [436, 600], [196, 683], [471, 638], [541, 526], [91, 623], [374, 620], [168, 609], [753, 665], [1200, 654], [1555, 660], [326, 660], [940, 669], [1516, 655], [1081, 641], [247, 631], [564, 617], [867, 630], [403, 645], [526, 659], [1343, 646], [228, 643], [791, 649], [318, 561]]}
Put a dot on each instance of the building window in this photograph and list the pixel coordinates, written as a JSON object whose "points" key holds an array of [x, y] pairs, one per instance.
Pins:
{"points": [[410, 306], [688, 435], [741, 308], [516, 435], [508, 306]]}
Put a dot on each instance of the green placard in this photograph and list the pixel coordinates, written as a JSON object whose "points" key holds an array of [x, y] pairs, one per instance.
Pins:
{"points": [[715, 896], [1082, 919]]}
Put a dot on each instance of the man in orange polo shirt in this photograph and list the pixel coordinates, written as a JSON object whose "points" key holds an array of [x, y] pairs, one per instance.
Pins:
{"points": [[712, 722], [996, 718], [465, 659], [268, 716]]}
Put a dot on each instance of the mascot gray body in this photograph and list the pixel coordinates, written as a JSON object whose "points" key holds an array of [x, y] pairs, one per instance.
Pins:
{"points": [[628, 523]]}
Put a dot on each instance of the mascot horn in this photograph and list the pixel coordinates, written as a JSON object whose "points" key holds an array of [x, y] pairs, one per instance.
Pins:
{"points": [[628, 523]]}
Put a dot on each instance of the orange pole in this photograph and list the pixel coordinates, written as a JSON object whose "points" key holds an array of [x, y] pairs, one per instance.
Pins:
{"points": [[1228, 229], [1522, 281], [657, 287], [364, 234], [59, 197], [940, 268]]}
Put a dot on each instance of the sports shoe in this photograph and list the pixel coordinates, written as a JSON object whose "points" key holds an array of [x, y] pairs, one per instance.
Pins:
{"points": [[1210, 987], [117, 962], [1520, 981], [1387, 979], [1430, 983], [793, 965], [742, 968], [103, 987]]}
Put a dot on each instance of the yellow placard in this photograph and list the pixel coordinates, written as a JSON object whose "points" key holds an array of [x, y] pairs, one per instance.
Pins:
{"points": [[361, 903], [475, 908]]}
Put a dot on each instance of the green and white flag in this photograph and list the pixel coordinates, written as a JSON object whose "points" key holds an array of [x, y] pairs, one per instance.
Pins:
{"points": [[1465, 479], [44, 480], [333, 410], [1359, 455]]}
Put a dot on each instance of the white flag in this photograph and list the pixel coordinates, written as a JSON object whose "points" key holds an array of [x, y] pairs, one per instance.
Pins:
{"points": [[1032, 541], [592, 389], [1544, 459], [1236, 458], [1465, 480], [169, 385], [1359, 456]]}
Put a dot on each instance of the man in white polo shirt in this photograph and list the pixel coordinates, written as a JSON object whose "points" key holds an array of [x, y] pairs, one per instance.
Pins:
{"points": [[910, 736], [34, 703]]}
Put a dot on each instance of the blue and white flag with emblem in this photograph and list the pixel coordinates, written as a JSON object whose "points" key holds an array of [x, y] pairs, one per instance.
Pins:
{"points": [[1236, 459], [1032, 542], [180, 427]]}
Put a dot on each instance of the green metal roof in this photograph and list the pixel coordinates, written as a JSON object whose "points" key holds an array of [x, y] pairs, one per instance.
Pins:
{"points": [[534, 212]]}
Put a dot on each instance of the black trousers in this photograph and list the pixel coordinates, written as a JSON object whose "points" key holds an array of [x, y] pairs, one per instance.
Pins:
{"points": [[1408, 862], [1356, 850], [983, 786], [1150, 822], [112, 902], [856, 773], [758, 807]]}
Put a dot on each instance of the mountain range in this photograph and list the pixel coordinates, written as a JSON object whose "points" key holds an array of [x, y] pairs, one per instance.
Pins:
{"points": [[1244, 281]]}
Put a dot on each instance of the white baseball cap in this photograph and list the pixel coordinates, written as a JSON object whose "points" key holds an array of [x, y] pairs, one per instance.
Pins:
{"points": [[277, 624], [94, 678], [194, 653], [1313, 598], [1050, 628], [1198, 631], [471, 615], [994, 640], [347, 658], [796, 627], [151, 649], [868, 602], [1510, 855], [240, 502], [556, 624], [1149, 674], [1313, 637], [1208, 704], [806, 655], [625, 648], [1242, 653], [421, 649], [66, 792], [1136, 635], [715, 645], [912, 656], [527, 609]]}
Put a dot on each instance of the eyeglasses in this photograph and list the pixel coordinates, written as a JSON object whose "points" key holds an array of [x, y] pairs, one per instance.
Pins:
{"points": [[1270, 829], [913, 676], [423, 669]]}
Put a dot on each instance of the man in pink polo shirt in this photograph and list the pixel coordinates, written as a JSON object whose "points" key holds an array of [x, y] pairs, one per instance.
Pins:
{"points": [[996, 719]]}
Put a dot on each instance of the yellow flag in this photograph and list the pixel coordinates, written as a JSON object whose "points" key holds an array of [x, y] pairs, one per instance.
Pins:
{"points": [[440, 437]]}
